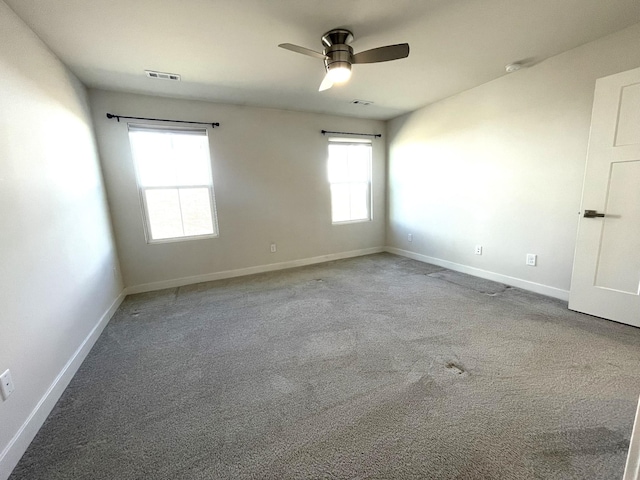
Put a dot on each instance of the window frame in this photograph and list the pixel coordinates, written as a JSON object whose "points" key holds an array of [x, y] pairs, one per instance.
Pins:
{"points": [[142, 189], [369, 194]]}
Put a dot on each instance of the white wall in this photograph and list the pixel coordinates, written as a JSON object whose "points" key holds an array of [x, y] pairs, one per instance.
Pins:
{"points": [[57, 284], [270, 182], [502, 166]]}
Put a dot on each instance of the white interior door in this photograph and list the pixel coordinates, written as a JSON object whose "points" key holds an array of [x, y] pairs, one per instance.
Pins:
{"points": [[606, 269]]}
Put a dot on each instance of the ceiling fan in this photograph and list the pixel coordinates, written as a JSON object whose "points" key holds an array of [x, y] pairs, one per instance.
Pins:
{"points": [[338, 55]]}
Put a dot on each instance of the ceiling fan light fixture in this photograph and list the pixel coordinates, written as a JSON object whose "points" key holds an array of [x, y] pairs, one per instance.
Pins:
{"points": [[339, 72]]}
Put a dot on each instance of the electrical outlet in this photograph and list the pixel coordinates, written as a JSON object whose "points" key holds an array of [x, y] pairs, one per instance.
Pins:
{"points": [[6, 384], [478, 250], [410, 237], [273, 248], [532, 259]]}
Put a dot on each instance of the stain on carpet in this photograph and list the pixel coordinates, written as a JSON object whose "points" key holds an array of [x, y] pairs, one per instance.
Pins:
{"points": [[455, 368], [591, 441], [558, 451], [474, 283]]}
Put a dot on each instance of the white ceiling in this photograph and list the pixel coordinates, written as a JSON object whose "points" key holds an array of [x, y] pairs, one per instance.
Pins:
{"points": [[226, 50]]}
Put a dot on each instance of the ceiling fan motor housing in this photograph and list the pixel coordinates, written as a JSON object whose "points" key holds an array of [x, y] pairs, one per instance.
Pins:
{"points": [[339, 53], [338, 56]]}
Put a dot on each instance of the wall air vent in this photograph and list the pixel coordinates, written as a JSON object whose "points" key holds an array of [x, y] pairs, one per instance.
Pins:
{"points": [[364, 103], [162, 75]]}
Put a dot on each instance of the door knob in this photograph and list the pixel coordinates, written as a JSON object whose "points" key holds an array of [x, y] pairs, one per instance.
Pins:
{"points": [[592, 214]]}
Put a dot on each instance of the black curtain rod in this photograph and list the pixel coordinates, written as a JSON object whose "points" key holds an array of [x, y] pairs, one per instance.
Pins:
{"points": [[324, 132], [118, 117]]}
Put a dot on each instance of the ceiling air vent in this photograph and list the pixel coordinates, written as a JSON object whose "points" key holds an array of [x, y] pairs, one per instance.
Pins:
{"points": [[364, 103], [162, 75]]}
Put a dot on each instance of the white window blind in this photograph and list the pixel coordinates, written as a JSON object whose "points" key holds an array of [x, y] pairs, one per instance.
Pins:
{"points": [[349, 168], [173, 170]]}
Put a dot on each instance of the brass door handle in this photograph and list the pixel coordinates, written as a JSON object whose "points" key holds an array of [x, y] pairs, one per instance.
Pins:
{"points": [[592, 214]]}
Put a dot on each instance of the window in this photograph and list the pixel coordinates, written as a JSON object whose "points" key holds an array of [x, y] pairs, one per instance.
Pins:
{"points": [[173, 169], [350, 180]]}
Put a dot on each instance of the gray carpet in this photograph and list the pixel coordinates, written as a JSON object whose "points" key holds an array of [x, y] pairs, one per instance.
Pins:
{"points": [[375, 367]]}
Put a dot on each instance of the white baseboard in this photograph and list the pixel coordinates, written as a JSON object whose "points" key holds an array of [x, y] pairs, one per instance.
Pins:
{"points": [[18, 445], [208, 277], [478, 272]]}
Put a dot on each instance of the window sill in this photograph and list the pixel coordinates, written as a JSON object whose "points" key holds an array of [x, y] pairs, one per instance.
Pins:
{"points": [[348, 222], [181, 239]]}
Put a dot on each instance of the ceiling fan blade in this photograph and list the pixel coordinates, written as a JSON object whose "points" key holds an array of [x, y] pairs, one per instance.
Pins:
{"points": [[302, 50], [326, 84], [382, 54]]}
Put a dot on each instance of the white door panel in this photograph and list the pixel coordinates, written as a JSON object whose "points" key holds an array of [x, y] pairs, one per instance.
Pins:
{"points": [[606, 270]]}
